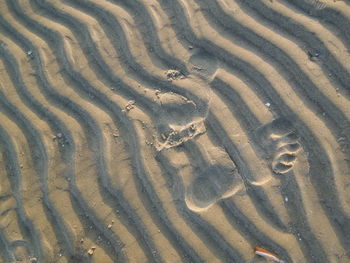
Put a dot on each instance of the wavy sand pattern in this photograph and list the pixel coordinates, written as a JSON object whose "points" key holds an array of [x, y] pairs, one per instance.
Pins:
{"points": [[174, 130]]}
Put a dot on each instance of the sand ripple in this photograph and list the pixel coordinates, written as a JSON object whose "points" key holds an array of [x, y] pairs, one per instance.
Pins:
{"points": [[174, 130]]}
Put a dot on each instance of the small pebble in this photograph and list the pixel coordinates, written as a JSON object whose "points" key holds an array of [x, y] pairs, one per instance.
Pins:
{"points": [[91, 251]]}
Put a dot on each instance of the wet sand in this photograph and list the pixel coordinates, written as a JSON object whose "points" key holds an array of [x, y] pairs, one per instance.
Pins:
{"points": [[174, 130]]}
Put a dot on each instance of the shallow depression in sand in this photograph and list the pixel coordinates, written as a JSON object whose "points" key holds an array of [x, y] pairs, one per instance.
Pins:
{"points": [[174, 131]]}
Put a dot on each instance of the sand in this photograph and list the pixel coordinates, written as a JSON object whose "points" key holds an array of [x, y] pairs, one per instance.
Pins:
{"points": [[174, 130]]}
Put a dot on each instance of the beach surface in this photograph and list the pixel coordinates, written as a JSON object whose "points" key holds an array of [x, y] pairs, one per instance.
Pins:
{"points": [[174, 131]]}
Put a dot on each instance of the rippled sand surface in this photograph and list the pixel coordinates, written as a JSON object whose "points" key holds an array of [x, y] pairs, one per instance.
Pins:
{"points": [[174, 130]]}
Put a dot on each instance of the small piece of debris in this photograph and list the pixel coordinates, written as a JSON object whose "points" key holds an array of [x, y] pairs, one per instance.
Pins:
{"points": [[268, 254], [148, 142], [299, 236], [267, 104], [174, 75], [109, 226], [91, 251], [33, 260], [130, 105], [163, 136], [313, 55], [286, 199], [29, 53], [197, 68]]}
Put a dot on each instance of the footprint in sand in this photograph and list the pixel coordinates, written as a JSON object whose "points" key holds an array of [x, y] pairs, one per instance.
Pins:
{"points": [[215, 179], [182, 120], [179, 118], [281, 142]]}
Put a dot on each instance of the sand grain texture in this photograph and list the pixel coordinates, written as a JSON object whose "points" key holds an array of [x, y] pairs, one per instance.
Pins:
{"points": [[174, 130]]}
